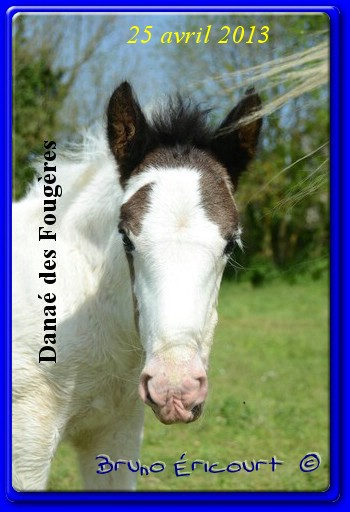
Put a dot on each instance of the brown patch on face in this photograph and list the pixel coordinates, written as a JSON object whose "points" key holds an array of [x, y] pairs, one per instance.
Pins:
{"points": [[216, 187], [131, 217], [134, 298], [217, 199], [133, 211]]}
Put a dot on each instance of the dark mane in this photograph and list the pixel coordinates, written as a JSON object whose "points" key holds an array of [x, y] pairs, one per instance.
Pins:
{"points": [[181, 123]]}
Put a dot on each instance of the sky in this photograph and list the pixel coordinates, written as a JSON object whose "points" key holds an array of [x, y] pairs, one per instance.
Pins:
{"points": [[156, 69]]}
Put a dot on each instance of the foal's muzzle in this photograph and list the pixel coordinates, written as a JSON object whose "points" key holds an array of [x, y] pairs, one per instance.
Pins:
{"points": [[176, 393]]}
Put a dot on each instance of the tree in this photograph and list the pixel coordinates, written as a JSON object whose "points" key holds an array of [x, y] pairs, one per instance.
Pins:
{"points": [[43, 78], [38, 92]]}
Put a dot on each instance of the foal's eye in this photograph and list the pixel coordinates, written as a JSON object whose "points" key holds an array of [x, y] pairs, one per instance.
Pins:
{"points": [[229, 246], [232, 242], [128, 245]]}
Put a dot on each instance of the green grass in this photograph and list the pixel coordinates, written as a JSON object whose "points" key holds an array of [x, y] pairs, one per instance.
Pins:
{"points": [[269, 384]]}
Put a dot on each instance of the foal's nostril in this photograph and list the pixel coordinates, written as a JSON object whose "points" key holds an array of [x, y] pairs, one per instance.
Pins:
{"points": [[203, 386], [145, 392], [143, 388], [202, 381], [149, 399]]}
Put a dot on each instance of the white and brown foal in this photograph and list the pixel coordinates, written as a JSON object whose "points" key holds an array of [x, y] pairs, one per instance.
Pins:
{"points": [[136, 309]]}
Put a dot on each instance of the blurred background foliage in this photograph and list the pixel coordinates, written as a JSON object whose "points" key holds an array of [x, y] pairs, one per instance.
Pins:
{"points": [[65, 68]]}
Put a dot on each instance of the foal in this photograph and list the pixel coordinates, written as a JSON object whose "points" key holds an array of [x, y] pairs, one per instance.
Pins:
{"points": [[144, 230]]}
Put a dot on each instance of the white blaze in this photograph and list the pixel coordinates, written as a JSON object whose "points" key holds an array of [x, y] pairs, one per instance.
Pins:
{"points": [[178, 265]]}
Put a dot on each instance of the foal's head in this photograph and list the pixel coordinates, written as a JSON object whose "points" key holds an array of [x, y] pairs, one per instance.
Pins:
{"points": [[179, 224]]}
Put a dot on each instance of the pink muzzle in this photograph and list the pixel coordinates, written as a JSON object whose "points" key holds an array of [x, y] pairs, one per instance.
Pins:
{"points": [[175, 391]]}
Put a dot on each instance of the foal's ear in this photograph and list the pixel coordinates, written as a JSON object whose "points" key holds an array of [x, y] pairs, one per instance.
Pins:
{"points": [[127, 130], [235, 140]]}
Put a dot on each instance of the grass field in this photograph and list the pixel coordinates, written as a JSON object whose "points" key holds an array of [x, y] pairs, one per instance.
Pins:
{"points": [[269, 386]]}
